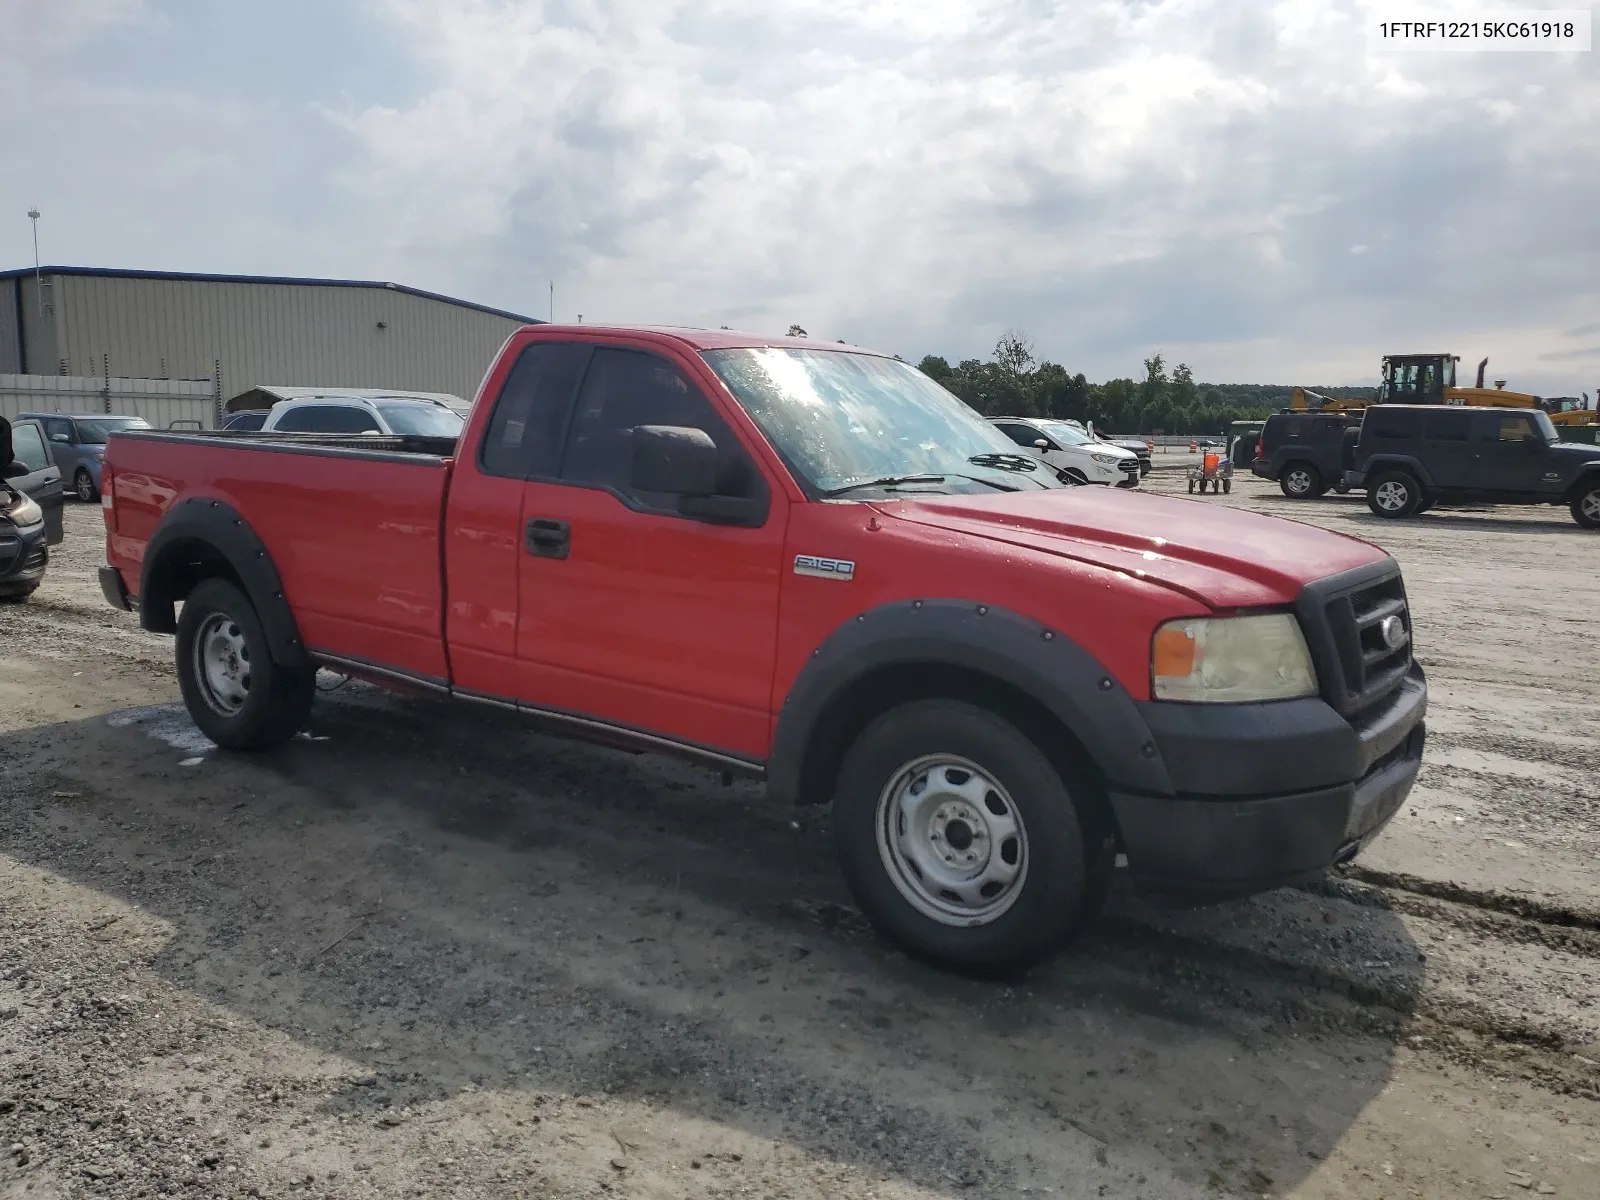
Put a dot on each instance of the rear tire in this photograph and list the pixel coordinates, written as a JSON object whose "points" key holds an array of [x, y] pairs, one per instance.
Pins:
{"points": [[1586, 507], [1227, 485], [1191, 487], [962, 842], [1301, 481], [235, 693], [1394, 495]]}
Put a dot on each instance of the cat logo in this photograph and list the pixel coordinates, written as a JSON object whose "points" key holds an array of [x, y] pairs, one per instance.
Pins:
{"points": [[824, 568]]}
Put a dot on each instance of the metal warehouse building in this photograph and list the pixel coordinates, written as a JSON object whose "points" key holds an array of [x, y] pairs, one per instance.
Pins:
{"points": [[240, 332]]}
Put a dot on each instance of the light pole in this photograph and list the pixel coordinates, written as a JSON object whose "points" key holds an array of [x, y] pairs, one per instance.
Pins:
{"points": [[38, 281]]}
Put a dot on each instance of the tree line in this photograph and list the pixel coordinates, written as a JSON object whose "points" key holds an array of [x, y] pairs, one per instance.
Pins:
{"points": [[1012, 383]]}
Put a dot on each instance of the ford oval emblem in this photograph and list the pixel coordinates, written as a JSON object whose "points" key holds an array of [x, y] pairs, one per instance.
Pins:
{"points": [[1393, 632]]}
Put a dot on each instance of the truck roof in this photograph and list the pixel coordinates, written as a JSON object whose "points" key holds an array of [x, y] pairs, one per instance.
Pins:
{"points": [[709, 339]]}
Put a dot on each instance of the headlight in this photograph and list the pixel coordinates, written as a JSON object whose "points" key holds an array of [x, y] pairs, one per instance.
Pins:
{"points": [[23, 511], [1232, 660], [1105, 460]]}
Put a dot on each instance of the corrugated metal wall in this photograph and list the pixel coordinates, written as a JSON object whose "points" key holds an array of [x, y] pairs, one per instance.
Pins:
{"points": [[159, 401], [10, 332], [270, 333]]}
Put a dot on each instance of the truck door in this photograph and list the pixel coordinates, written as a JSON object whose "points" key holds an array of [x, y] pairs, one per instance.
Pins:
{"points": [[629, 613], [1446, 450], [521, 439], [1509, 453]]}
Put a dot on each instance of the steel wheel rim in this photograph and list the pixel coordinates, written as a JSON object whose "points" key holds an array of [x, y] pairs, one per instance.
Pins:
{"points": [[85, 487], [222, 664], [1591, 506], [952, 841], [1299, 481], [1392, 496]]}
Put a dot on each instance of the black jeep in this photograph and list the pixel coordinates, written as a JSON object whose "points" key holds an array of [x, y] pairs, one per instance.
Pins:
{"points": [[1303, 451], [1409, 457]]}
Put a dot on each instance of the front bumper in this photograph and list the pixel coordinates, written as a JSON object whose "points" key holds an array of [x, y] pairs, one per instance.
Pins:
{"points": [[1269, 795], [24, 555]]}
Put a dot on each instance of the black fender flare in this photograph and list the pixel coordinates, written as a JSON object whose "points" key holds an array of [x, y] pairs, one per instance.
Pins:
{"points": [[1405, 462], [1588, 476], [1043, 663], [219, 526]]}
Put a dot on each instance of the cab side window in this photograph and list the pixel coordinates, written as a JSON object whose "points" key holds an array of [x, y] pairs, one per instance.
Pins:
{"points": [[624, 389], [530, 415], [1497, 427]]}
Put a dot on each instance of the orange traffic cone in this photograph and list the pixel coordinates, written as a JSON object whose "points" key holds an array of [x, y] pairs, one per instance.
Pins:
{"points": [[1194, 447]]}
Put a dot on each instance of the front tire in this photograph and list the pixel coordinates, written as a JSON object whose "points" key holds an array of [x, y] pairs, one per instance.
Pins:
{"points": [[1077, 476], [961, 841], [235, 693], [83, 486], [1394, 495], [1301, 481], [1586, 507]]}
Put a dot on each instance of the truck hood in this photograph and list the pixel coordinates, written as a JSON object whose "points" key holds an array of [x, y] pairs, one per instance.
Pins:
{"points": [[1576, 451], [1219, 556]]}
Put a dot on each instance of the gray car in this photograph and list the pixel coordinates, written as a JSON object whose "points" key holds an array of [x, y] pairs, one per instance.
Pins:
{"points": [[78, 445], [30, 508]]}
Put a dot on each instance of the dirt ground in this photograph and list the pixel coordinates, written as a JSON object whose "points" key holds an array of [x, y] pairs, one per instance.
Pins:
{"points": [[422, 952]]}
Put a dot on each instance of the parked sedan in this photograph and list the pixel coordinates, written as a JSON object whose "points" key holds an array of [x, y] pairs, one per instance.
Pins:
{"points": [[78, 444], [30, 508]]}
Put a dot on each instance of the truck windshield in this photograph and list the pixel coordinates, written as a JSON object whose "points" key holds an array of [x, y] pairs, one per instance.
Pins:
{"points": [[840, 419], [95, 433], [424, 420]]}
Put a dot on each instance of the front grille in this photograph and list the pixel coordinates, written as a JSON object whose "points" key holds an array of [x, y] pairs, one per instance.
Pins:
{"points": [[1344, 619]]}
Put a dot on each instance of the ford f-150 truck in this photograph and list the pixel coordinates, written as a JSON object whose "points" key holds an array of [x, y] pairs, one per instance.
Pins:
{"points": [[812, 566]]}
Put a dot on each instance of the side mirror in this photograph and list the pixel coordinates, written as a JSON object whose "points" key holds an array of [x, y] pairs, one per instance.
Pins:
{"points": [[682, 462], [60, 437], [674, 459], [1041, 444]]}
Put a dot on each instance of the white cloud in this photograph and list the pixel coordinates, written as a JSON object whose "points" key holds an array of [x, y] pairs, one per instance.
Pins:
{"points": [[1239, 183]]}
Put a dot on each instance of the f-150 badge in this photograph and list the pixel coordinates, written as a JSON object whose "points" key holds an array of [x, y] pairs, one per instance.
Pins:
{"points": [[824, 568]]}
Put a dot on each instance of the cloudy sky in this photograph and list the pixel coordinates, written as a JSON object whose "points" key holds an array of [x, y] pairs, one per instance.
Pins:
{"points": [[1246, 185]]}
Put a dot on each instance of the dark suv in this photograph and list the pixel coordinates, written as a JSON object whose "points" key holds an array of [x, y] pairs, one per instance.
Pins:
{"points": [[1409, 457], [1304, 452]]}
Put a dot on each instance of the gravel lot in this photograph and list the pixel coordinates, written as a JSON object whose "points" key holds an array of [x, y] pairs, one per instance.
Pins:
{"points": [[422, 952]]}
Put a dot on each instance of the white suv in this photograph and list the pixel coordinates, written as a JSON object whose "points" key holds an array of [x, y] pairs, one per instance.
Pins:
{"points": [[361, 414], [1067, 447]]}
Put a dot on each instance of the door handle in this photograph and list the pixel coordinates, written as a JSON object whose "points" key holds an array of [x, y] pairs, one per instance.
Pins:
{"points": [[548, 539]]}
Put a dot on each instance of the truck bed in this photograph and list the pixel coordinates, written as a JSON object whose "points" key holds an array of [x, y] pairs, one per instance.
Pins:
{"points": [[352, 522]]}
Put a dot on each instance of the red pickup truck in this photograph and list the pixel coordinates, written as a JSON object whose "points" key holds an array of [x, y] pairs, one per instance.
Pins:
{"points": [[814, 566]]}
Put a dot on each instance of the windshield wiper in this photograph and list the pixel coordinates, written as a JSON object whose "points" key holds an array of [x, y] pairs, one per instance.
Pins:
{"points": [[1006, 462], [885, 481]]}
